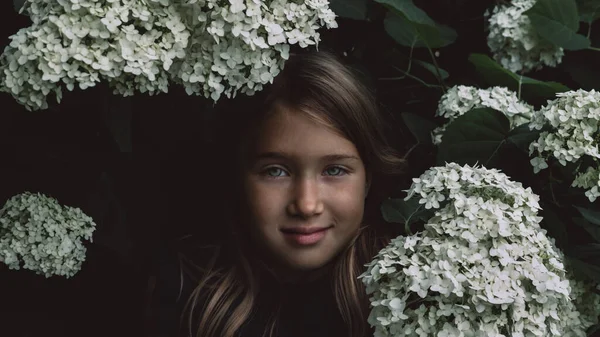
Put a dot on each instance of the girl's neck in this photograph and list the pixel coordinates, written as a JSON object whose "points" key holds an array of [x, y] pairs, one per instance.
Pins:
{"points": [[287, 276]]}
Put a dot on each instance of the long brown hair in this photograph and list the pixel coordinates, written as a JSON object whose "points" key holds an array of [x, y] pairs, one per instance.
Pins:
{"points": [[319, 85]]}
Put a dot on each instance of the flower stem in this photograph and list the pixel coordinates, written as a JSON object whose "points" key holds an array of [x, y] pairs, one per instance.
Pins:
{"points": [[406, 74], [437, 69], [593, 48]]}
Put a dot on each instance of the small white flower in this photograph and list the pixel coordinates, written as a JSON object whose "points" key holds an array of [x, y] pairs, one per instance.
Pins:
{"points": [[42, 235], [460, 99], [574, 118], [154, 43], [513, 41], [482, 266], [111, 22], [237, 6]]}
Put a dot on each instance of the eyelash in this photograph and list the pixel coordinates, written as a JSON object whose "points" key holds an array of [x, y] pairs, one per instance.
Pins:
{"points": [[265, 173]]}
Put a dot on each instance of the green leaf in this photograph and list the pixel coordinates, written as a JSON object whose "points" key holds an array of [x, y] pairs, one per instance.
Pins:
{"points": [[404, 212], [583, 269], [494, 74], [590, 215], [400, 211], [412, 34], [556, 228], [401, 30], [591, 223], [588, 253], [558, 22], [479, 152], [592, 229], [408, 9], [18, 4], [432, 69], [522, 136], [589, 10], [478, 124], [420, 127], [474, 138], [350, 9]]}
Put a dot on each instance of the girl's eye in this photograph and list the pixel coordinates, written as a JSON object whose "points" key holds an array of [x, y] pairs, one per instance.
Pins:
{"points": [[274, 172], [335, 171]]}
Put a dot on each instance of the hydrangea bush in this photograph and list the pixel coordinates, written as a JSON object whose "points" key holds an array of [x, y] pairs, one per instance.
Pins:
{"points": [[574, 118], [513, 41], [241, 45], [482, 266], [130, 44], [211, 47], [460, 99], [39, 234]]}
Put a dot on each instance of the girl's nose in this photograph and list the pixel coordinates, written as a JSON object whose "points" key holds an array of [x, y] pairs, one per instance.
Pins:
{"points": [[306, 199]]}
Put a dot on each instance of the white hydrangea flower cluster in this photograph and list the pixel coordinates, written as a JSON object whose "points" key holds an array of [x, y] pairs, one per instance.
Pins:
{"points": [[241, 45], [482, 266], [129, 43], [584, 296], [43, 235], [212, 47], [460, 99], [574, 118], [513, 41]]}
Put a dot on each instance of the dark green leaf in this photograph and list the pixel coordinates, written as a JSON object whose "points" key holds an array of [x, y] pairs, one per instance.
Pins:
{"points": [[401, 30], [589, 10], [432, 69], [479, 152], [541, 88], [420, 127], [494, 74], [590, 215], [558, 22], [18, 4], [403, 212], [436, 37], [563, 12], [556, 228], [408, 9], [592, 229], [350, 9], [587, 253], [483, 124], [522, 136], [411, 34], [583, 269], [474, 138]]}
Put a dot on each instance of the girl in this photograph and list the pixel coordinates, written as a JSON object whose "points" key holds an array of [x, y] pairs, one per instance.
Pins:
{"points": [[298, 159]]}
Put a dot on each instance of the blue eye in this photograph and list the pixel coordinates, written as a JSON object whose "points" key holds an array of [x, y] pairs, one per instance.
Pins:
{"points": [[274, 172], [335, 171]]}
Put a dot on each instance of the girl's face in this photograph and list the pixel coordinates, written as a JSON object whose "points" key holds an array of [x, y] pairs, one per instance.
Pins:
{"points": [[305, 187]]}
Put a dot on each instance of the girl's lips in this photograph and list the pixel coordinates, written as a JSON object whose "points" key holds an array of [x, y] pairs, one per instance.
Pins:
{"points": [[303, 229], [305, 235]]}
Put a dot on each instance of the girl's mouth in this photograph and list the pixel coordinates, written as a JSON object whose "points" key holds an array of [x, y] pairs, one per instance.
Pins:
{"points": [[305, 235]]}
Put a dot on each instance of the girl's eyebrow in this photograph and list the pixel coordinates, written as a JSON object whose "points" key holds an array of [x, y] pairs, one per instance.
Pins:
{"points": [[284, 156]]}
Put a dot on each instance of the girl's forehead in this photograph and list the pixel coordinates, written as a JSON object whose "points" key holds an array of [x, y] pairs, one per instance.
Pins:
{"points": [[288, 130]]}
